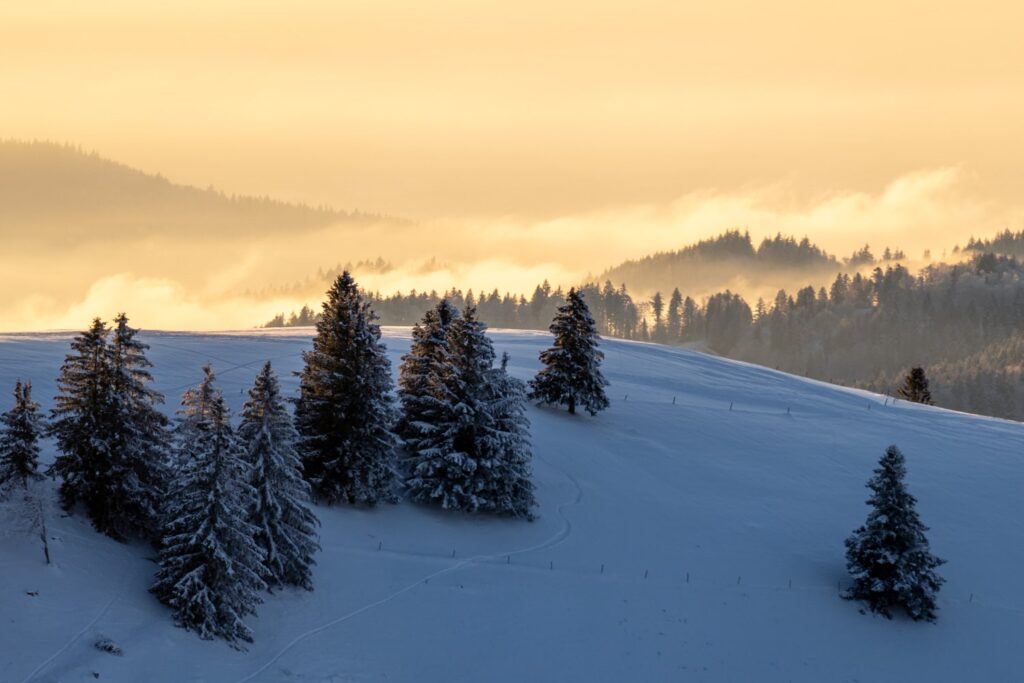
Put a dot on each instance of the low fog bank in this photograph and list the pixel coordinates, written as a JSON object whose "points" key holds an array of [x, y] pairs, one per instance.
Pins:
{"points": [[184, 280]]}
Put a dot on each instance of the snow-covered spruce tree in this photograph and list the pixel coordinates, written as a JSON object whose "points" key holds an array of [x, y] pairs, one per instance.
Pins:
{"points": [[82, 422], [139, 438], [286, 527], [514, 493], [422, 377], [110, 435], [427, 411], [889, 557], [915, 387], [20, 429], [571, 375], [474, 453], [345, 412], [210, 562]]}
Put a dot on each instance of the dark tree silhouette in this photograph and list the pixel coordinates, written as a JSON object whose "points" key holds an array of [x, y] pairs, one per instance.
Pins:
{"points": [[20, 430], [571, 374], [915, 387], [888, 556], [345, 411]]}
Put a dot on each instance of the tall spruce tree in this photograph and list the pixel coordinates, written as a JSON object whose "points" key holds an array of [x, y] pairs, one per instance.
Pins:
{"points": [[210, 562], [423, 375], [571, 375], [109, 433], [83, 424], [889, 557], [915, 387], [286, 527], [20, 429], [138, 476], [473, 454], [345, 412], [674, 320], [433, 470], [514, 490]]}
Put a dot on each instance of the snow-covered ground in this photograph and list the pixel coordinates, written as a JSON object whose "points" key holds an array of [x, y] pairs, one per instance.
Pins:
{"points": [[677, 540]]}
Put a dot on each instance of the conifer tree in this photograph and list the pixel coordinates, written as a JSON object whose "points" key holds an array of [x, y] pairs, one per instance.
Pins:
{"points": [[345, 412], [82, 424], [286, 527], [423, 374], [571, 375], [888, 556], [514, 491], [20, 429], [109, 433], [674, 320], [473, 454], [915, 387], [210, 563], [139, 436]]}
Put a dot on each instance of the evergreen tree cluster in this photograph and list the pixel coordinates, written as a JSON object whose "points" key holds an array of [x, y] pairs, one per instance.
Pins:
{"points": [[110, 434], [463, 419], [210, 563], [228, 509], [237, 517]]}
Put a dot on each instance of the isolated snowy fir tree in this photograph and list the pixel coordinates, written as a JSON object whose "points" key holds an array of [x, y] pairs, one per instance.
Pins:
{"points": [[915, 387], [137, 475], [286, 527], [20, 430], [345, 412], [889, 557], [474, 453], [82, 423], [210, 562], [571, 375]]}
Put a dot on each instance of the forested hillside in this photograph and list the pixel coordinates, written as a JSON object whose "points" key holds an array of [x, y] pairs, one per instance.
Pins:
{"points": [[731, 259], [962, 322], [51, 192], [1006, 243]]}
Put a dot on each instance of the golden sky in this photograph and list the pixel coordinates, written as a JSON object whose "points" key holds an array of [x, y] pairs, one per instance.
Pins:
{"points": [[545, 114]]}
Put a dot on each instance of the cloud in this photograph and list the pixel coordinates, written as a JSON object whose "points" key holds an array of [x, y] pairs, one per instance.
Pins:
{"points": [[151, 303]]}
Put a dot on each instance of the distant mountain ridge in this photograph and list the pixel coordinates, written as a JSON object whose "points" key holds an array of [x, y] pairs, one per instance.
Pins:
{"points": [[55, 192], [731, 260], [713, 262]]}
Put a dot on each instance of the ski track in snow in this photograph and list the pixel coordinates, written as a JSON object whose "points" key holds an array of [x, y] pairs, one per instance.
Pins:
{"points": [[74, 639], [553, 541]]}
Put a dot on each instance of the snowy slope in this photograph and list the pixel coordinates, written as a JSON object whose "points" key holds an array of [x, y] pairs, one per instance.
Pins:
{"points": [[677, 541]]}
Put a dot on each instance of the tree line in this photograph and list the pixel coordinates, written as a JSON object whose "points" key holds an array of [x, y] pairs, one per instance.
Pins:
{"points": [[961, 322]]}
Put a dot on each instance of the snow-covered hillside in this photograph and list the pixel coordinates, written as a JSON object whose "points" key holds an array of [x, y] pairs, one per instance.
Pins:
{"points": [[678, 539]]}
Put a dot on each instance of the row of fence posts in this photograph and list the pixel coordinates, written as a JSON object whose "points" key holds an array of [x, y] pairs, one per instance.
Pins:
{"points": [[788, 408], [647, 573]]}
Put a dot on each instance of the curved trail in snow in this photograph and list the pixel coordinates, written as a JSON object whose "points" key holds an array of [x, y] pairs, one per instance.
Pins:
{"points": [[74, 639], [552, 541]]}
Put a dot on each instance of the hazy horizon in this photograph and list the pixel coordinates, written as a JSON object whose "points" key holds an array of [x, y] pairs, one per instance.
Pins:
{"points": [[522, 143]]}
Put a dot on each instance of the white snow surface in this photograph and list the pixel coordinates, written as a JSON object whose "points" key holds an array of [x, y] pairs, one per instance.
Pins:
{"points": [[675, 542]]}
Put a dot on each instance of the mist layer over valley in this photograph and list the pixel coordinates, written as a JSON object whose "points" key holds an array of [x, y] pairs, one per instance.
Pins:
{"points": [[83, 234]]}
